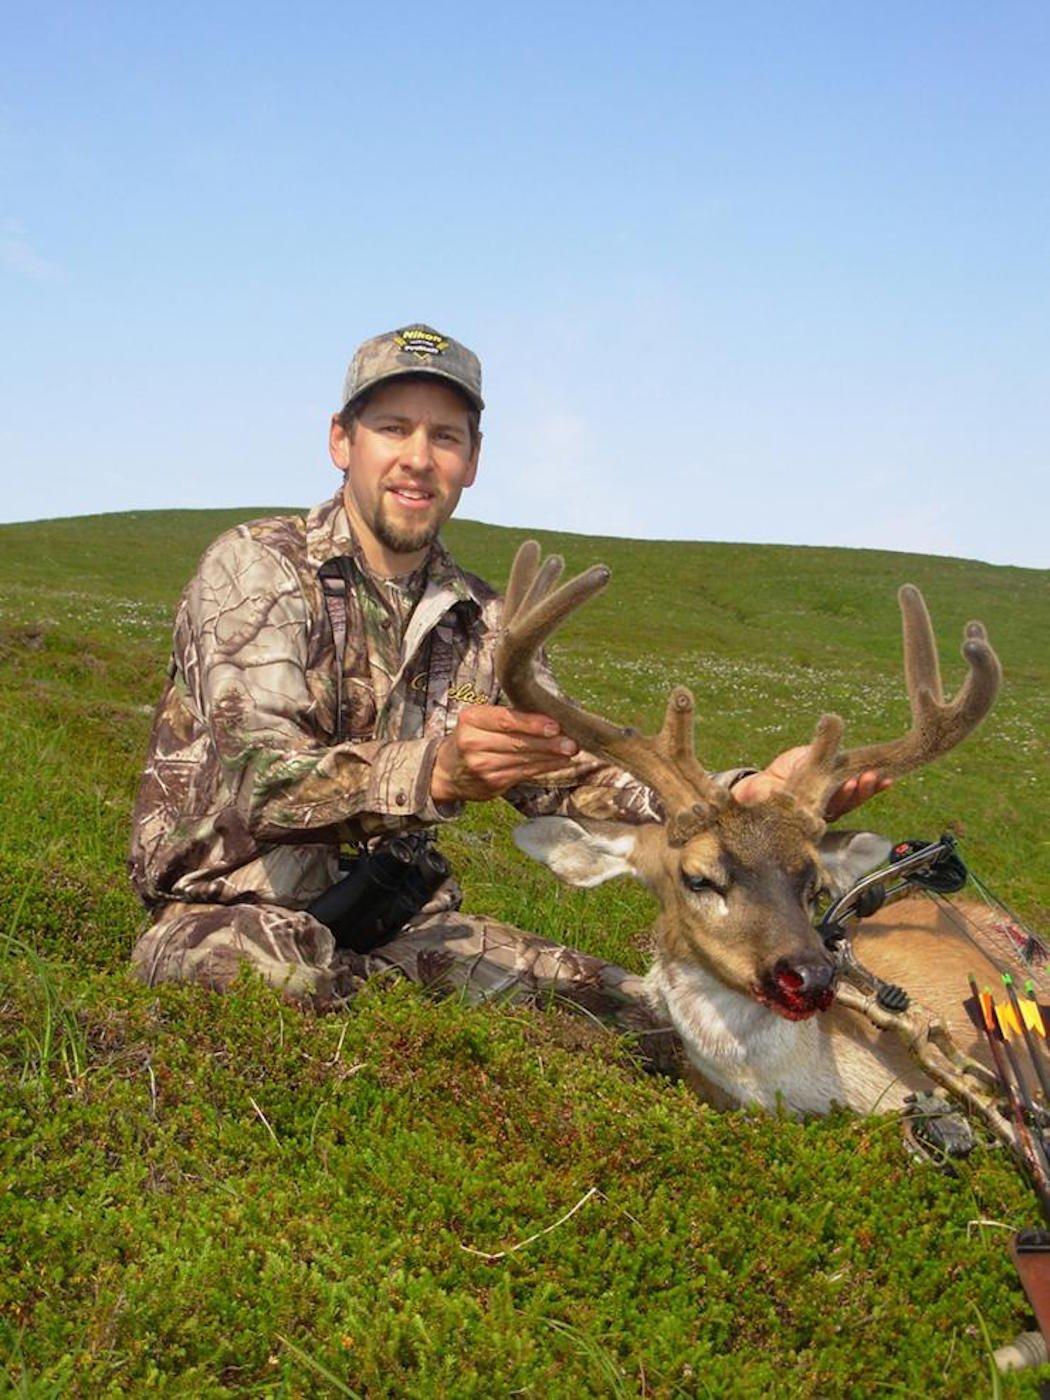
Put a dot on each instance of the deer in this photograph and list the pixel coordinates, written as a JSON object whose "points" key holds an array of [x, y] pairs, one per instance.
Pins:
{"points": [[738, 968]]}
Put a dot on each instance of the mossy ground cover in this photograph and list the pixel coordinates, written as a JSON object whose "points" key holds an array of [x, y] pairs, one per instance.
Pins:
{"points": [[226, 1196]]}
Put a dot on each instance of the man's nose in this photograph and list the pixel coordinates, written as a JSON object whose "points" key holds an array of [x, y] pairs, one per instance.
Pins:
{"points": [[416, 451]]}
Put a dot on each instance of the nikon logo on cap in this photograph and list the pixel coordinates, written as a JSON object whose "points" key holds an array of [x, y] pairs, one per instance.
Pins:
{"points": [[421, 341], [415, 349]]}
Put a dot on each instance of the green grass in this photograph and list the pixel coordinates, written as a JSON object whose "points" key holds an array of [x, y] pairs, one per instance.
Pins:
{"points": [[208, 1196]]}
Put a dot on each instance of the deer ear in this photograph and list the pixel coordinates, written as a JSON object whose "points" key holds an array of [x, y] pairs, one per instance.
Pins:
{"points": [[848, 855], [579, 855]]}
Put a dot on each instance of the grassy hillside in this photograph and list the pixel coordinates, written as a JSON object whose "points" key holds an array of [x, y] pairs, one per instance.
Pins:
{"points": [[212, 1196]]}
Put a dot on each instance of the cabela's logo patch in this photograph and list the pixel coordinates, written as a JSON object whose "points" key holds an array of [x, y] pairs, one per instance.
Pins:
{"points": [[468, 694], [462, 692], [421, 342]]}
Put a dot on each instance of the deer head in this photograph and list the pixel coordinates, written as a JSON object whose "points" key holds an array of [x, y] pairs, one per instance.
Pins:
{"points": [[736, 884]]}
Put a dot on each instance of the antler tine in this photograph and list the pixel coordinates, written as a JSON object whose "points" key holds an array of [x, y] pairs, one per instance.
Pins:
{"points": [[541, 611], [811, 785], [937, 725], [922, 669], [675, 741], [542, 586], [522, 573], [537, 611], [676, 736], [533, 615]]}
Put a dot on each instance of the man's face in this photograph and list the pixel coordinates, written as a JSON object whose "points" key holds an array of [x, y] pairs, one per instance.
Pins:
{"points": [[410, 456]]}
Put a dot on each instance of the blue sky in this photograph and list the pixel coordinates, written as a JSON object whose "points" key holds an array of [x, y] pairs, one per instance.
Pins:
{"points": [[752, 271]]}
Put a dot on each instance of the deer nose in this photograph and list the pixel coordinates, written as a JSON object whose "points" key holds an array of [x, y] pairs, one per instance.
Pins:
{"points": [[807, 975]]}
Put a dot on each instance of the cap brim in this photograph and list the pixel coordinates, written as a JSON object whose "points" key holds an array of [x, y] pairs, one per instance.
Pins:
{"points": [[474, 397]]}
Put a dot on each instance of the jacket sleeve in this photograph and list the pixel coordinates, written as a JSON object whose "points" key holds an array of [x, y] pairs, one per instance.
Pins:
{"points": [[241, 638], [595, 789]]}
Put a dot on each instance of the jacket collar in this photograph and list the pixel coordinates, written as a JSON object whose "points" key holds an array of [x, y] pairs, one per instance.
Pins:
{"points": [[330, 535]]}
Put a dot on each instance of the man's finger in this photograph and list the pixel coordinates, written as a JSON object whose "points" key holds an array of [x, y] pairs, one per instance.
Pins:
{"points": [[855, 791], [869, 783], [865, 787], [487, 741], [502, 720]]}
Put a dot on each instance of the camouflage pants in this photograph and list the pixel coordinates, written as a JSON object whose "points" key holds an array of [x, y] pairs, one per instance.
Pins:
{"points": [[448, 952]]}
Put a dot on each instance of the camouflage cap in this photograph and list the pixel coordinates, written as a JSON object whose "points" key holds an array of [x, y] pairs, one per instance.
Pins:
{"points": [[415, 349]]}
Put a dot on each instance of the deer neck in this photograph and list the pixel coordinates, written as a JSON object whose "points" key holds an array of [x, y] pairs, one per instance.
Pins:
{"points": [[755, 1056], [718, 1025]]}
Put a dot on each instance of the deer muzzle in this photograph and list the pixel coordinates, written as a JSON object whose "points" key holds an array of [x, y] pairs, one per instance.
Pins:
{"points": [[799, 986]]}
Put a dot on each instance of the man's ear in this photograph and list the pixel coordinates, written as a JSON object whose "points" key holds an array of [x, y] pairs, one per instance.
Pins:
{"points": [[583, 856], [847, 856], [338, 445], [475, 454]]}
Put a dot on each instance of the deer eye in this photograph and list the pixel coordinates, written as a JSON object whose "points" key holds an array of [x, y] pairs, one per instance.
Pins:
{"points": [[814, 890], [698, 883]]}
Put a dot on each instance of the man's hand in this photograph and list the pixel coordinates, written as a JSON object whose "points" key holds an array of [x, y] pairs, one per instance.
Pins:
{"points": [[492, 748], [756, 787]]}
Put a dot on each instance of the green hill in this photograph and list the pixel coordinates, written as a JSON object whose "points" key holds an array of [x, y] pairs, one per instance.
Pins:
{"points": [[224, 1196]]}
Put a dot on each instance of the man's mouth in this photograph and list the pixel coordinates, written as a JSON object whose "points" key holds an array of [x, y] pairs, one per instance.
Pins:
{"points": [[411, 497]]}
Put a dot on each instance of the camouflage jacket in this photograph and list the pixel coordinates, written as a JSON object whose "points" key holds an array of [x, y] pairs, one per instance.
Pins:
{"points": [[248, 790]]}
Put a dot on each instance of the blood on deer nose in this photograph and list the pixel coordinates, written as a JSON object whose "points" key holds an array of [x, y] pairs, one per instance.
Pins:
{"points": [[804, 976]]}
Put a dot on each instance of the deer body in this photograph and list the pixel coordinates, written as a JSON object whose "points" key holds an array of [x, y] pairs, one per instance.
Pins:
{"points": [[739, 969]]}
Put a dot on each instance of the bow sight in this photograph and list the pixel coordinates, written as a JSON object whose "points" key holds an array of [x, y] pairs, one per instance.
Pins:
{"points": [[933, 866]]}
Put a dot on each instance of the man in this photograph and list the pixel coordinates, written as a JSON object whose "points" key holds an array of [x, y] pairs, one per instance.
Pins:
{"points": [[332, 684]]}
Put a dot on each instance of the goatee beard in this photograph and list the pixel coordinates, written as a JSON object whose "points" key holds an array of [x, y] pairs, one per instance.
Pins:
{"points": [[405, 539]]}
